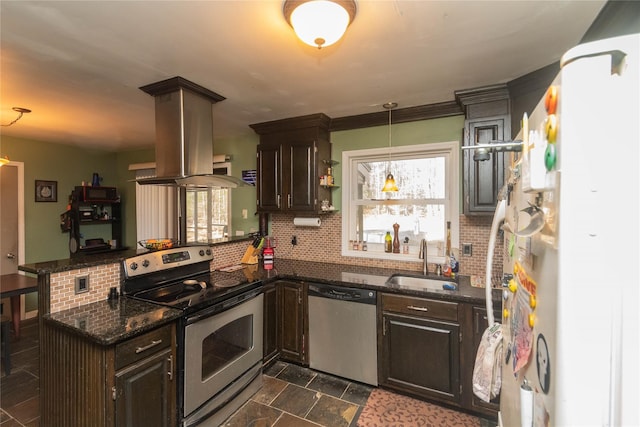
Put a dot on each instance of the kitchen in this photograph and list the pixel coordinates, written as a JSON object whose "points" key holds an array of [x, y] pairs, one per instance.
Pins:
{"points": [[282, 228]]}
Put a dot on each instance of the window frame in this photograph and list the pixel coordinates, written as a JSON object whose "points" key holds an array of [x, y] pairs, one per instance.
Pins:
{"points": [[450, 150], [226, 167]]}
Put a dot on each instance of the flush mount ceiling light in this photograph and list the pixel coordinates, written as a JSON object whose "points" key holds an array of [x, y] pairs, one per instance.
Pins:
{"points": [[390, 182], [319, 23]]}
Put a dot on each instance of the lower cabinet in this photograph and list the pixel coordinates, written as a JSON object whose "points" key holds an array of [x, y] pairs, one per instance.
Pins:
{"points": [[270, 323], [479, 322], [292, 325], [419, 347], [131, 383], [144, 390]]}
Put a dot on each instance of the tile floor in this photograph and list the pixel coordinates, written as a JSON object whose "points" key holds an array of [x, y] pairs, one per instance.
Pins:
{"points": [[290, 396]]}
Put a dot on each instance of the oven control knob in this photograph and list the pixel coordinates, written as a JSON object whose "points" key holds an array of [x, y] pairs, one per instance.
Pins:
{"points": [[208, 251], [201, 252], [133, 266], [145, 263]]}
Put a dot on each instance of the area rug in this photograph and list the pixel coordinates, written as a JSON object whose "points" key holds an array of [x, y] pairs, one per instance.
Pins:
{"points": [[386, 409]]}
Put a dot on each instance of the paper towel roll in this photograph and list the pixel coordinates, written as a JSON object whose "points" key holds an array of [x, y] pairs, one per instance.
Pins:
{"points": [[306, 222]]}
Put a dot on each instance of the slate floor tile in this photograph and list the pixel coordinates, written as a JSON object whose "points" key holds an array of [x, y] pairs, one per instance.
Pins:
{"points": [[328, 385], [297, 375], [296, 400], [255, 415], [357, 393], [330, 411], [271, 388]]}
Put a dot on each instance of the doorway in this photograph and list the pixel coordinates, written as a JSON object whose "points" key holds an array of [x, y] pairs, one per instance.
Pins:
{"points": [[12, 247]]}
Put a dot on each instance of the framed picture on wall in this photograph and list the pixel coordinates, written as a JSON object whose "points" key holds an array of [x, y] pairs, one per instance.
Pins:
{"points": [[46, 191]]}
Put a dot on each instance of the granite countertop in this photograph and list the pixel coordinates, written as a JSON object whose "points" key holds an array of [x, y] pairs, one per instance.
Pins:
{"points": [[356, 277], [109, 322], [92, 260]]}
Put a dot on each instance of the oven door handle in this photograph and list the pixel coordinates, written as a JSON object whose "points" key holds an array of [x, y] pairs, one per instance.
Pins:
{"points": [[148, 346]]}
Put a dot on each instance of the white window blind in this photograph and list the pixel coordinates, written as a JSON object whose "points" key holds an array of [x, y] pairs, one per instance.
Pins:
{"points": [[156, 215]]}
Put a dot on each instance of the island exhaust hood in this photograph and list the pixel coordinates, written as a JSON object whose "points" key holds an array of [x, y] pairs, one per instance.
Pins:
{"points": [[184, 136]]}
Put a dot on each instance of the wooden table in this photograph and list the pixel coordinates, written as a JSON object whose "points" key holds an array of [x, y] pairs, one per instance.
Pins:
{"points": [[12, 286]]}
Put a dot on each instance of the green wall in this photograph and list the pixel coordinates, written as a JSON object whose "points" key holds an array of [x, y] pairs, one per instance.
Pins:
{"points": [[412, 133], [69, 165]]}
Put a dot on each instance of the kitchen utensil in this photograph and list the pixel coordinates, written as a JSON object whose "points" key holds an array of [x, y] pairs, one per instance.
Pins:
{"points": [[536, 221]]}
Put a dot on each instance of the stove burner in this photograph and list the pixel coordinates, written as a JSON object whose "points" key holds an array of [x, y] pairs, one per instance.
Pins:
{"points": [[226, 283], [191, 282], [175, 292]]}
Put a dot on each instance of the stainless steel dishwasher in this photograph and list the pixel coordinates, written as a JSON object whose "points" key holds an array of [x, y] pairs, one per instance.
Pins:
{"points": [[342, 332]]}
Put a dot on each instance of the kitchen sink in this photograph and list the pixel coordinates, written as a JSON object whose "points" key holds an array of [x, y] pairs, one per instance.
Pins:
{"points": [[406, 281]]}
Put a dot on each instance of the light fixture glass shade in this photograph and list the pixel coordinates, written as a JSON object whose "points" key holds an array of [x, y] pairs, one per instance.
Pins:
{"points": [[319, 23], [389, 184], [4, 161]]}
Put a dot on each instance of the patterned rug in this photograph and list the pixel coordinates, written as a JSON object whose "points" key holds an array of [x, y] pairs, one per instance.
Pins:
{"points": [[386, 409]]}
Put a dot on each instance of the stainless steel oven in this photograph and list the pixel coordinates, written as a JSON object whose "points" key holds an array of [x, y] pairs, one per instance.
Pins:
{"points": [[219, 334]]}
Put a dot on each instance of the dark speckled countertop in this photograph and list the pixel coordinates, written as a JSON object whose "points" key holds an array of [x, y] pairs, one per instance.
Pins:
{"points": [[356, 277], [92, 260], [108, 322]]}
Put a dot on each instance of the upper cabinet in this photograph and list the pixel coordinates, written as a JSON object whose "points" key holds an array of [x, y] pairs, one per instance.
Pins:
{"points": [[487, 119], [291, 157]]}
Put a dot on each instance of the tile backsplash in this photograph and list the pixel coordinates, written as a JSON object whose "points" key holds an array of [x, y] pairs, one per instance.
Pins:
{"points": [[323, 244], [62, 288]]}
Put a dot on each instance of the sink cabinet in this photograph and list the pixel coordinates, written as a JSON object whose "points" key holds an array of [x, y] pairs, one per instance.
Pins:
{"points": [[131, 383], [419, 347], [290, 159]]}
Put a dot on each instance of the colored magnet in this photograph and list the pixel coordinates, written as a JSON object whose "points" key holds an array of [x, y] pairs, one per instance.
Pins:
{"points": [[551, 100], [550, 157], [532, 301], [543, 364], [551, 128]]}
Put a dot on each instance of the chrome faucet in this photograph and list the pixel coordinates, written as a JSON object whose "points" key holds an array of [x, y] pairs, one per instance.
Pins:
{"points": [[423, 256]]}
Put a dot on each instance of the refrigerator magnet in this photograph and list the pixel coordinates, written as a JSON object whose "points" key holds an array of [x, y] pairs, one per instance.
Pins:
{"points": [[543, 363]]}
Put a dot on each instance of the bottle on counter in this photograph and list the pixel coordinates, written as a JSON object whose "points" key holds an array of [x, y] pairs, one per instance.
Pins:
{"points": [[405, 246], [388, 242], [268, 254]]}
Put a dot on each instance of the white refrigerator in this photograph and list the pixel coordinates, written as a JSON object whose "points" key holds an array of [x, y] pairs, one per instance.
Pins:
{"points": [[571, 228]]}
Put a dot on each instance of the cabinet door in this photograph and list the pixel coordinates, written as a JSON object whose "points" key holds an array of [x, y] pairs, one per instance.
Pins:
{"points": [[145, 392], [269, 182], [270, 325], [302, 178], [483, 179], [480, 324], [421, 356], [291, 321]]}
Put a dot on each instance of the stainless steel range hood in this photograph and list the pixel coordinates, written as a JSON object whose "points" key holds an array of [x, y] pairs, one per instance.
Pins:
{"points": [[184, 136]]}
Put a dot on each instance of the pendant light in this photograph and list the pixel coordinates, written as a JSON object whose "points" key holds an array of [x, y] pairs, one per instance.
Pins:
{"points": [[319, 23], [390, 182]]}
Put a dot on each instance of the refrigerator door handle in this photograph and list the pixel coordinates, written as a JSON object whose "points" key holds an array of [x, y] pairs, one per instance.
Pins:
{"points": [[498, 217]]}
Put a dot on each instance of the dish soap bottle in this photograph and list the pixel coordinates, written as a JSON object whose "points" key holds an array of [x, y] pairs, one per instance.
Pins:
{"points": [[388, 245]]}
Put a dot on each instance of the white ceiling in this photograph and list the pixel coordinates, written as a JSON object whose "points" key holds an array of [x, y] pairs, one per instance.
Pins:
{"points": [[78, 65]]}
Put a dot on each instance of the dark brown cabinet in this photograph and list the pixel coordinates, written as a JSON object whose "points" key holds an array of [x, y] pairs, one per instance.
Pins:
{"points": [[487, 116], [479, 324], [484, 179], [289, 163], [270, 324], [419, 347], [144, 390], [292, 325], [130, 383]]}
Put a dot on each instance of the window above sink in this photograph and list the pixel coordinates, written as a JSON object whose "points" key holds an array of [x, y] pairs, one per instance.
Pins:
{"points": [[428, 179]]}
